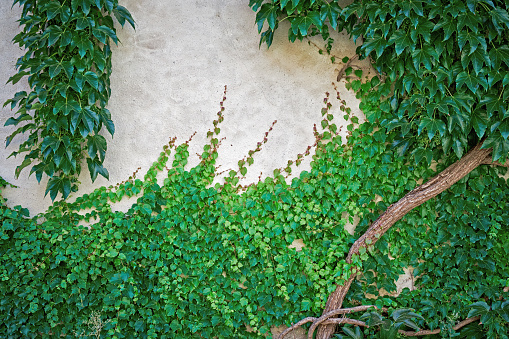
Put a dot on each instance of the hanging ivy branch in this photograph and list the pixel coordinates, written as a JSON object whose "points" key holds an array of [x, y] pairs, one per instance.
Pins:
{"points": [[68, 66]]}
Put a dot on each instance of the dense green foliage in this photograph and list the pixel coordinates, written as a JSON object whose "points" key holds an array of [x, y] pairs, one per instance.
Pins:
{"points": [[68, 65], [442, 86], [443, 66], [189, 259], [193, 259]]}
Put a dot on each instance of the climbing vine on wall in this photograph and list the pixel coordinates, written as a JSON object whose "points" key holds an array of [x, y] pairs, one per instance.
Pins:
{"points": [[193, 259], [68, 65], [440, 80]]}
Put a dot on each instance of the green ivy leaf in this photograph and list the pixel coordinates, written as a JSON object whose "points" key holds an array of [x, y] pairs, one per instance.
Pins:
{"points": [[421, 153], [499, 17], [377, 43], [84, 44], [84, 120], [499, 144], [478, 308], [96, 167], [472, 81], [17, 77], [432, 126], [331, 11], [96, 145], [66, 106], [480, 122], [102, 32], [401, 40], [493, 103], [54, 8], [302, 24], [58, 185], [447, 25], [123, 15]]}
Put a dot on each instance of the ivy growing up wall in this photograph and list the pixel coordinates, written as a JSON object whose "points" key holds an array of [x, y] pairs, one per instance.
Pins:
{"points": [[192, 259], [67, 62]]}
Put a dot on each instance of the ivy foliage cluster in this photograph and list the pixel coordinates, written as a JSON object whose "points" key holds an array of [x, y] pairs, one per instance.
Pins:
{"points": [[441, 88], [454, 245], [443, 66], [68, 66], [190, 259]]}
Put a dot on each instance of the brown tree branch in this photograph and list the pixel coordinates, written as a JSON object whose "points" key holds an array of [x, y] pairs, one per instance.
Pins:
{"points": [[334, 321], [395, 212], [327, 315], [429, 332], [489, 161]]}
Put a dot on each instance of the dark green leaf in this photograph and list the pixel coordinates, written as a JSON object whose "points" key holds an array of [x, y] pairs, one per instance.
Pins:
{"points": [[499, 17], [95, 167], [401, 39], [478, 308], [123, 15], [16, 121], [499, 144], [84, 120], [105, 118], [58, 185], [432, 126], [96, 145], [499, 55], [66, 106], [54, 8], [493, 104], [15, 78], [504, 128], [480, 122], [103, 31]]}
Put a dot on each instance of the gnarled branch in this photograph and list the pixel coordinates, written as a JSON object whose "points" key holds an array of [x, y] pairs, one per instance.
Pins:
{"points": [[326, 319], [429, 332], [395, 212]]}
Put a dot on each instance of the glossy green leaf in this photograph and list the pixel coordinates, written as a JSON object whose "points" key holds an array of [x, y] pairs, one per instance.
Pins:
{"points": [[57, 185], [66, 107], [123, 15], [55, 8], [83, 120], [102, 32], [96, 146], [95, 167], [432, 126], [480, 122], [105, 118], [500, 18]]}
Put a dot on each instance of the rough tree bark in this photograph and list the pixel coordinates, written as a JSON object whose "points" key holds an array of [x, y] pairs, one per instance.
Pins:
{"points": [[395, 212]]}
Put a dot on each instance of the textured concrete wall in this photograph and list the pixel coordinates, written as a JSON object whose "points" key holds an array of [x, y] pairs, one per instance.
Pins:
{"points": [[168, 78]]}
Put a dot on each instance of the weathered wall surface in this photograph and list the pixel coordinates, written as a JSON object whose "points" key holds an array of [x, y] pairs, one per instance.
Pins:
{"points": [[168, 77]]}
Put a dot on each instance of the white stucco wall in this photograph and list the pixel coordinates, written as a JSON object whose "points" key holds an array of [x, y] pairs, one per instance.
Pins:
{"points": [[168, 77]]}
